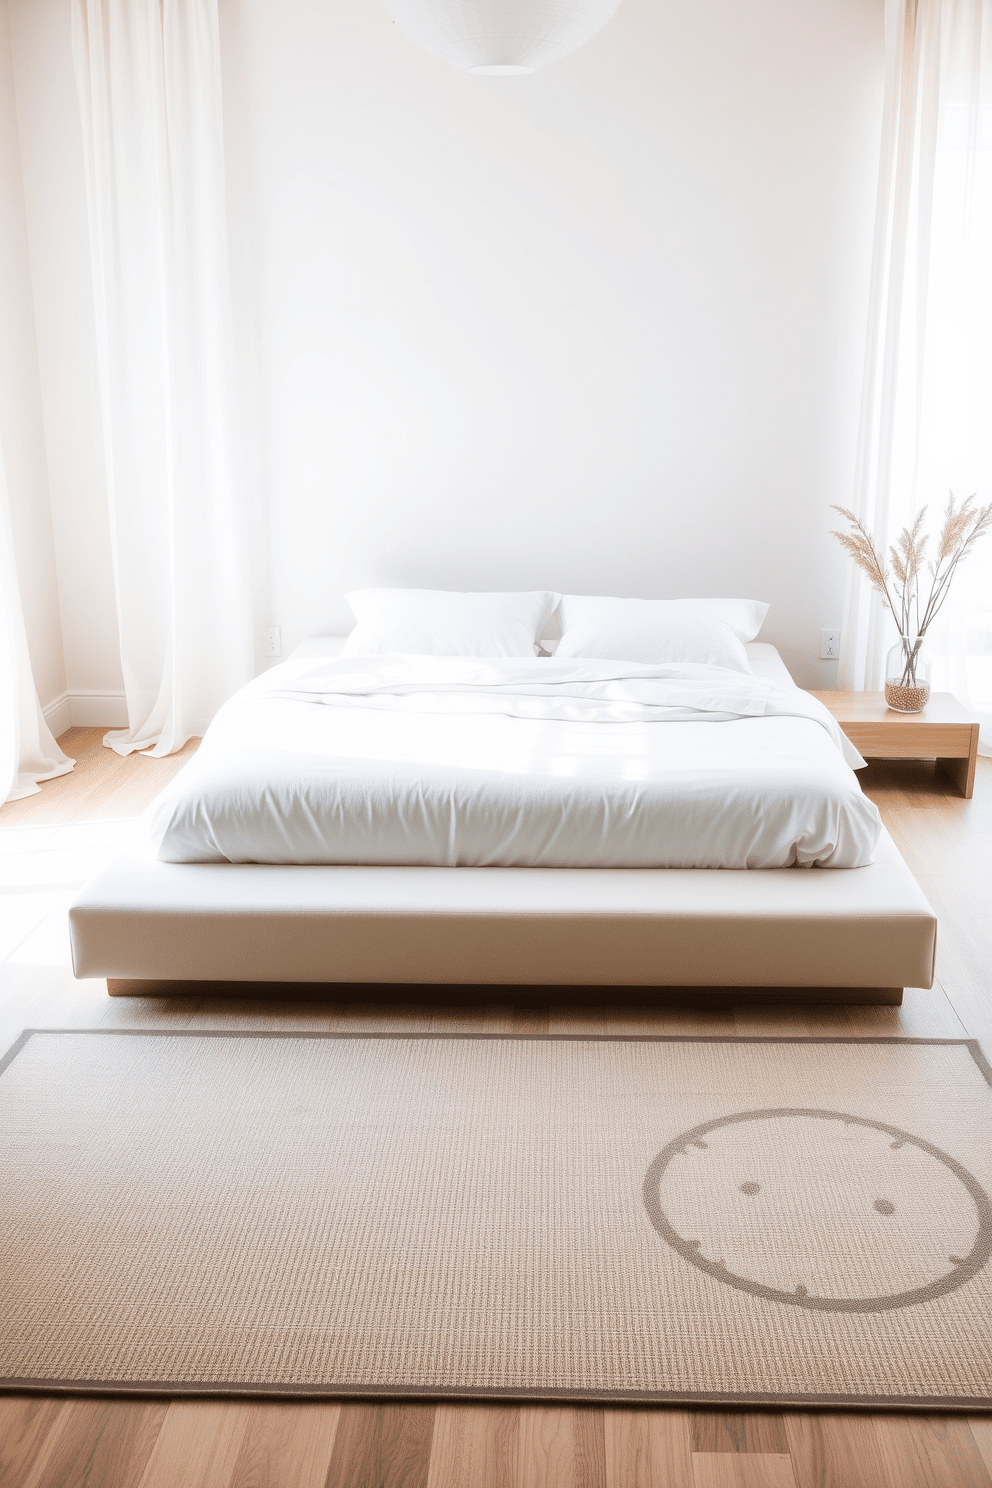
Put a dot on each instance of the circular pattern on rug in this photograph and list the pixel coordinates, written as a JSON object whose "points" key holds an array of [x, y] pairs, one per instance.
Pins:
{"points": [[820, 1209]]}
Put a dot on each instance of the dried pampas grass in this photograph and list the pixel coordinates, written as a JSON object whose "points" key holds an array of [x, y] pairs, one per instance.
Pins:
{"points": [[963, 526]]}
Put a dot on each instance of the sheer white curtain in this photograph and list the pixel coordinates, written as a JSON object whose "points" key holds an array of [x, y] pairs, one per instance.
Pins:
{"points": [[28, 753], [148, 77], [926, 422]]}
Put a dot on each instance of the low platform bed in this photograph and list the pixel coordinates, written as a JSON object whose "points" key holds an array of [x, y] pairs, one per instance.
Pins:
{"points": [[857, 934]]}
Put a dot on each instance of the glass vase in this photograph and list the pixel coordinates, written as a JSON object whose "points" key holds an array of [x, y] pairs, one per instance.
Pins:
{"points": [[907, 675]]}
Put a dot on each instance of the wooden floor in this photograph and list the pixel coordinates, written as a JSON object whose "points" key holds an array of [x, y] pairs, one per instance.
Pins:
{"points": [[51, 842]]}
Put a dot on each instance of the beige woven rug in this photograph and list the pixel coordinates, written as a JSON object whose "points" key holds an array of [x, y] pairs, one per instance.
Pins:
{"points": [[694, 1220]]}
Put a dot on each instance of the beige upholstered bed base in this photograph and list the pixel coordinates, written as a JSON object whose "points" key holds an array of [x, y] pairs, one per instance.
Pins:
{"points": [[860, 934]]}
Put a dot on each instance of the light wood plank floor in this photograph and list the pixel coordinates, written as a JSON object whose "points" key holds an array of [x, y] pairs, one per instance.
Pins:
{"points": [[51, 842]]}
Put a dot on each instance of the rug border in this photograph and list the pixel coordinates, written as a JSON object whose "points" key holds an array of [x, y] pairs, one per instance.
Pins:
{"points": [[144, 1389], [973, 1045], [156, 1389]]}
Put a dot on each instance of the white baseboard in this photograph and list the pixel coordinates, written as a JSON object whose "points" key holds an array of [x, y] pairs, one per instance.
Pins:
{"points": [[86, 709], [91, 709], [58, 714]]}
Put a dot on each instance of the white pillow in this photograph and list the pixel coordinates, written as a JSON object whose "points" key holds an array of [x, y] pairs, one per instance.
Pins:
{"points": [[434, 622], [710, 631]]}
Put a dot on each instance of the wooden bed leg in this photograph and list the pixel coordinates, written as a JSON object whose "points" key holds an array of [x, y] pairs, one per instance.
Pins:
{"points": [[139, 987], [467, 995], [128, 987]]}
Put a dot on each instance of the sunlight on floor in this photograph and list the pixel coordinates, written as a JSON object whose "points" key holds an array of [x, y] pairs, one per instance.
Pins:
{"points": [[41, 870], [51, 844]]}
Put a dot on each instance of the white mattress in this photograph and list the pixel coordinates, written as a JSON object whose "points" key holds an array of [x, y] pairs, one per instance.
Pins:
{"points": [[535, 763], [764, 659]]}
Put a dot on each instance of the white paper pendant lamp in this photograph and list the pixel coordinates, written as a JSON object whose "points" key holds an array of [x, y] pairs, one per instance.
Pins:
{"points": [[500, 36]]}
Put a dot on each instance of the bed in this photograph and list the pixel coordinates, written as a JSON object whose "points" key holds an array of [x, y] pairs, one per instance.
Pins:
{"points": [[538, 888]]}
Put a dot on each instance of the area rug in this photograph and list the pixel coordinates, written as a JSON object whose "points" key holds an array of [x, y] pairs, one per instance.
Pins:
{"points": [[693, 1220]]}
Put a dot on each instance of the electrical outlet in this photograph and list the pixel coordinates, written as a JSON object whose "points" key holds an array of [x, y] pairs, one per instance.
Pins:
{"points": [[829, 645], [272, 641]]}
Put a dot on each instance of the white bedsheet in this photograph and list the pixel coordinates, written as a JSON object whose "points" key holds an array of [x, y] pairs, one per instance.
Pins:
{"points": [[453, 761]]}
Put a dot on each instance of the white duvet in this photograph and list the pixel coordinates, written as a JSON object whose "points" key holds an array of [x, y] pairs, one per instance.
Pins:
{"points": [[522, 762]]}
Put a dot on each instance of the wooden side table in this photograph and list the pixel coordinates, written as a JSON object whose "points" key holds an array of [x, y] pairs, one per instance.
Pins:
{"points": [[943, 731]]}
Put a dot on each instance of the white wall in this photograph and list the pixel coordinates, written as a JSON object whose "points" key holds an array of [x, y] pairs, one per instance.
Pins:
{"points": [[600, 328], [22, 432]]}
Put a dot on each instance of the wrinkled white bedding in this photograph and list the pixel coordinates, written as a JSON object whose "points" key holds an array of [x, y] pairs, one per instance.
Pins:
{"points": [[522, 762]]}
